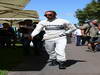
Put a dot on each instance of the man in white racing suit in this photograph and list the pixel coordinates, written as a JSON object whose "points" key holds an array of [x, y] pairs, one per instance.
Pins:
{"points": [[55, 37]]}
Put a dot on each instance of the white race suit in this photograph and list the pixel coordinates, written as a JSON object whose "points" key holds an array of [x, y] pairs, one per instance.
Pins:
{"points": [[55, 36]]}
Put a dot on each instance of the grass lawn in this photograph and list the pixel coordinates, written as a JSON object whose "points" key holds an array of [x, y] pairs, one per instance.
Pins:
{"points": [[3, 72], [9, 58]]}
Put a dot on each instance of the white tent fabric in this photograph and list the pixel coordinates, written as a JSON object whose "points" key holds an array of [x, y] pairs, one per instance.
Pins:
{"points": [[12, 4], [12, 11]]}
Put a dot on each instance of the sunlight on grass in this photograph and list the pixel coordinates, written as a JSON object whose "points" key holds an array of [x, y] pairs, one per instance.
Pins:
{"points": [[3, 72]]}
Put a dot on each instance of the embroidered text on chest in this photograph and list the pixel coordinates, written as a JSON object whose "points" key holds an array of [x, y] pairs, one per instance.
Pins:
{"points": [[54, 27]]}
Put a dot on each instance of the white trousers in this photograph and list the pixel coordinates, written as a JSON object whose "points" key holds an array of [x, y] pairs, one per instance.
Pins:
{"points": [[56, 48]]}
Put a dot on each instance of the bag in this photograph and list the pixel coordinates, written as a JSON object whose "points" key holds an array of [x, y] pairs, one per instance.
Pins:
{"points": [[39, 36], [31, 44]]}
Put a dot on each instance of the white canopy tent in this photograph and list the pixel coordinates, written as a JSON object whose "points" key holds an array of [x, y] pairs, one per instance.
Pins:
{"points": [[15, 16], [12, 4], [11, 11]]}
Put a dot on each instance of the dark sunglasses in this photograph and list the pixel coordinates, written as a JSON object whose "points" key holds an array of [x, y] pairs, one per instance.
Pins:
{"points": [[48, 15]]}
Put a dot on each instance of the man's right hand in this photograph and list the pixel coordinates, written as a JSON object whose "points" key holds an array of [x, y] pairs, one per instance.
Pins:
{"points": [[30, 38]]}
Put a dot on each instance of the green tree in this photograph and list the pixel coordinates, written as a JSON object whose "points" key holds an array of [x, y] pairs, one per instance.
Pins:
{"points": [[91, 11]]}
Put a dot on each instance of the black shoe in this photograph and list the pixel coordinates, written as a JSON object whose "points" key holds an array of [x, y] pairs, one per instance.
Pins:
{"points": [[53, 63], [62, 65], [49, 60]]}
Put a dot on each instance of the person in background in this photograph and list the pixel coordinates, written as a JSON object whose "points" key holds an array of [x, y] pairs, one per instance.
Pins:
{"points": [[97, 41], [38, 42], [25, 28], [55, 37], [90, 32], [78, 36], [7, 33], [1, 26]]}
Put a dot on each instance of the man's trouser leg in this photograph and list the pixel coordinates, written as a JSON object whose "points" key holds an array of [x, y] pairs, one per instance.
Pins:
{"points": [[50, 48], [60, 48], [60, 51], [56, 48]]}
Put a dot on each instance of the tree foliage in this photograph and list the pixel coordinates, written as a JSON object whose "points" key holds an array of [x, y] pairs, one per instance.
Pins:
{"points": [[91, 11]]}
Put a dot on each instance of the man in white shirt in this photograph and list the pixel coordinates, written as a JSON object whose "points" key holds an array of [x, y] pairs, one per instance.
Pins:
{"points": [[55, 37], [78, 35]]}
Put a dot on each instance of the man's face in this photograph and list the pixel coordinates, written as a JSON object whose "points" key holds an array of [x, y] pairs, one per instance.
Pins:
{"points": [[94, 21], [99, 26], [49, 15]]}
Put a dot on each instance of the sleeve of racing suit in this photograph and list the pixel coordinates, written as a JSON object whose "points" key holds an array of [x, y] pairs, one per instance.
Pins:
{"points": [[37, 30], [69, 28]]}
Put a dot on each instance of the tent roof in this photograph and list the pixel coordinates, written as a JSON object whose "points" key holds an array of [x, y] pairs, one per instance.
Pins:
{"points": [[12, 11], [12, 4], [13, 16], [18, 14]]}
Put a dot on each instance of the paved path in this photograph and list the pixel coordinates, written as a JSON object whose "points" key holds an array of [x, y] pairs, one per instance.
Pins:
{"points": [[80, 62]]}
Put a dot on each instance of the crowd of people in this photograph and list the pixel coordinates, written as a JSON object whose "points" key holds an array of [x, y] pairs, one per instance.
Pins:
{"points": [[7, 35], [89, 34], [51, 34]]}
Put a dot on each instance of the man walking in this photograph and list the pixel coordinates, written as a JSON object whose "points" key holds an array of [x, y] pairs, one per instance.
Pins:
{"points": [[55, 37]]}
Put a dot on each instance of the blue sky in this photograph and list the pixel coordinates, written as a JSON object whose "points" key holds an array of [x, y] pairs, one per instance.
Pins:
{"points": [[64, 8]]}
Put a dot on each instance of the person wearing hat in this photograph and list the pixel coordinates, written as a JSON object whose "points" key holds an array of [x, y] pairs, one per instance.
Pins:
{"points": [[90, 32]]}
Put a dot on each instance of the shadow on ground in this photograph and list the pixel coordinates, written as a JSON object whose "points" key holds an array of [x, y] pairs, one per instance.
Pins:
{"points": [[71, 62], [12, 59]]}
